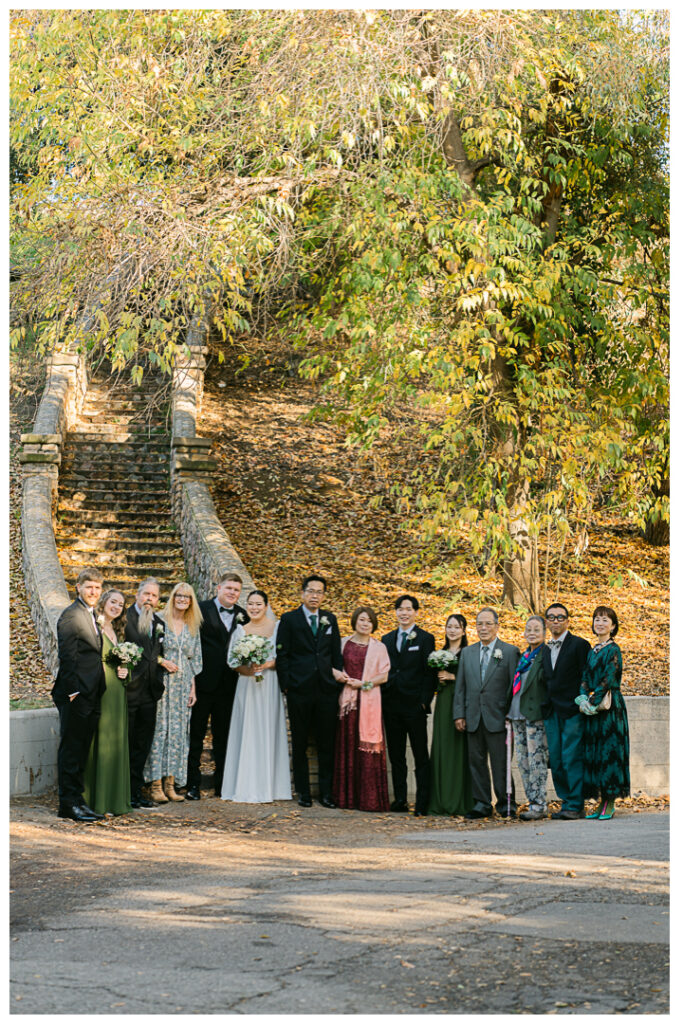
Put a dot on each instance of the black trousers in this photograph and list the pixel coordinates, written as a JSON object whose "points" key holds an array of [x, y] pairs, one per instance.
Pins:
{"points": [[75, 736], [141, 722], [484, 747], [407, 720], [313, 712], [218, 707]]}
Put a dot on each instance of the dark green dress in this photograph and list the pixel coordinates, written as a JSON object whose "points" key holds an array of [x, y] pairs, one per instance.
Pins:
{"points": [[451, 788], [606, 741], [107, 773]]}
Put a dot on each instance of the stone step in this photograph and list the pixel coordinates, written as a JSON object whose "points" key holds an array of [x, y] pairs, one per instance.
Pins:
{"points": [[120, 455], [110, 485], [114, 435], [99, 531], [134, 444], [106, 519], [130, 545], [97, 505], [78, 476], [142, 562]]}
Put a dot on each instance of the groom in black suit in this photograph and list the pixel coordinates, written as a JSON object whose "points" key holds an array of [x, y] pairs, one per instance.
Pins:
{"points": [[310, 672], [77, 692], [216, 683], [406, 698]]}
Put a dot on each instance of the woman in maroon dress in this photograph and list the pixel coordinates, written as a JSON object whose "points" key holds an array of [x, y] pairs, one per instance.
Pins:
{"points": [[360, 764]]}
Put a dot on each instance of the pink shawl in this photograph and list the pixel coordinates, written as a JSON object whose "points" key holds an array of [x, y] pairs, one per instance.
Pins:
{"points": [[370, 732]]}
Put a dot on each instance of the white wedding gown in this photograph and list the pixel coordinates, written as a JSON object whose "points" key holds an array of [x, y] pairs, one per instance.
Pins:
{"points": [[257, 758]]}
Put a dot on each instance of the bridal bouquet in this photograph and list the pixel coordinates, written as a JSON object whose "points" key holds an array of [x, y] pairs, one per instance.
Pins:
{"points": [[251, 650], [125, 654], [445, 661]]}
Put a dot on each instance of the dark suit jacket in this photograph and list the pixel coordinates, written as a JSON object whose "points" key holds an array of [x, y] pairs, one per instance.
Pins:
{"points": [[147, 678], [534, 693], [216, 673], [304, 661], [564, 681], [486, 701], [410, 678], [80, 660]]}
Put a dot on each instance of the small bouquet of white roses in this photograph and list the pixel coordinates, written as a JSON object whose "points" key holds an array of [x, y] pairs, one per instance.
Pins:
{"points": [[250, 650], [444, 661], [127, 655]]}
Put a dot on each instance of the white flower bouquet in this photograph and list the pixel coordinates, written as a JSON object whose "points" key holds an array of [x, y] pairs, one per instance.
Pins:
{"points": [[126, 654], [250, 650], [443, 661]]}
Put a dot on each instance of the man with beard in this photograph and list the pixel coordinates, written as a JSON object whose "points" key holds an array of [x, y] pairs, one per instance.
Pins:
{"points": [[145, 629]]}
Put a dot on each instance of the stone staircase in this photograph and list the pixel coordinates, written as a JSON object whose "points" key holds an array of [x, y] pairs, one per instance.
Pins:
{"points": [[114, 510]]}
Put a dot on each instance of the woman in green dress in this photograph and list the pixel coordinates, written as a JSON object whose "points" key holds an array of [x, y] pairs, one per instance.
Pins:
{"points": [[606, 774], [451, 789], [107, 773]]}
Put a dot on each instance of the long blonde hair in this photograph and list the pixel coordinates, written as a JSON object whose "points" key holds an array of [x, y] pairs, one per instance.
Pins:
{"points": [[192, 618]]}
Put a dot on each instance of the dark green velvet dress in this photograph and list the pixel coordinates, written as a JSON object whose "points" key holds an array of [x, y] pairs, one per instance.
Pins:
{"points": [[606, 741], [450, 787], [107, 773]]}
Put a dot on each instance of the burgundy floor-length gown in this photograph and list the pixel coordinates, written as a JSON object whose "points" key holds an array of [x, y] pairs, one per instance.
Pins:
{"points": [[360, 777]]}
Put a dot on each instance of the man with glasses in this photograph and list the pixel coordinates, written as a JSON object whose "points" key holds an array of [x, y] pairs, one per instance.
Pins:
{"points": [[310, 672], [564, 658]]}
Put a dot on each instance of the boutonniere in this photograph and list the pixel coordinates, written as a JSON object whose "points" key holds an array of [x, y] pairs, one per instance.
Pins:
{"points": [[498, 654], [239, 617], [412, 636], [100, 620], [324, 621], [158, 629]]}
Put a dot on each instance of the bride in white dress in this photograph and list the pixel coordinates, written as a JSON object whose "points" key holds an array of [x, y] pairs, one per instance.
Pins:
{"points": [[257, 758]]}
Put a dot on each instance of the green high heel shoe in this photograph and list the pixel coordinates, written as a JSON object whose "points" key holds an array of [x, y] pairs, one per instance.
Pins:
{"points": [[607, 811], [602, 807]]}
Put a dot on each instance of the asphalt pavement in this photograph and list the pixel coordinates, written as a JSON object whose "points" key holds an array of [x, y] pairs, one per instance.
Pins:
{"points": [[194, 910]]}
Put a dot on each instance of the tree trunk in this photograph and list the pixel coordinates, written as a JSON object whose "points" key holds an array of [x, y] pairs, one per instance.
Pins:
{"points": [[521, 584], [657, 533]]}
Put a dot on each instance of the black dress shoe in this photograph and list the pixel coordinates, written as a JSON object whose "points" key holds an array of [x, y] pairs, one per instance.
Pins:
{"points": [[420, 812], [399, 805], [89, 811], [327, 801], [474, 815], [75, 813], [567, 815], [141, 801], [192, 793], [305, 801]]}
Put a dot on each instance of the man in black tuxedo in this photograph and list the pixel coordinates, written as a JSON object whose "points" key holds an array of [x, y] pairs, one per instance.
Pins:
{"points": [[310, 672], [564, 659], [483, 691], [146, 686], [216, 683], [77, 692], [406, 699]]}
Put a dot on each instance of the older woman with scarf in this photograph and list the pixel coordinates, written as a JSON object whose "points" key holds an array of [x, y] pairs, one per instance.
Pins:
{"points": [[360, 766], [529, 693]]}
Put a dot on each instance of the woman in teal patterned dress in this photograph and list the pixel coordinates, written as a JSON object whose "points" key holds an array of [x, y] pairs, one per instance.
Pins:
{"points": [[606, 741], [168, 757], [451, 788]]}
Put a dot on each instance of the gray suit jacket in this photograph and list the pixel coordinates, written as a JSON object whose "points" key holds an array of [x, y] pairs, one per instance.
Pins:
{"points": [[485, 701]]}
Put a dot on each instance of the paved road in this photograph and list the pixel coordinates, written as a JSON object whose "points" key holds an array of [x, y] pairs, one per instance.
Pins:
{"points": [[192, 910]]}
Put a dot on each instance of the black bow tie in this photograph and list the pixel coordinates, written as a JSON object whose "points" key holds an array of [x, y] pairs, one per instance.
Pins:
{"points": [[228, 610]]}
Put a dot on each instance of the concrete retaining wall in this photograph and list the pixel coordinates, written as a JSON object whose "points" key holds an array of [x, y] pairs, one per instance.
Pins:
{"points": [[34, 737]]}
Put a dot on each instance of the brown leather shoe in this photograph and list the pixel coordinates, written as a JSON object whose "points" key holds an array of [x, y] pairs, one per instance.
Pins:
{"points": [[156, 793], [169, 789]]}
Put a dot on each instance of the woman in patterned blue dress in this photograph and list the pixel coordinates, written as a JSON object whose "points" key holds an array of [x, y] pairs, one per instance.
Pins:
{"points": [[606, 741], [168, 757]]}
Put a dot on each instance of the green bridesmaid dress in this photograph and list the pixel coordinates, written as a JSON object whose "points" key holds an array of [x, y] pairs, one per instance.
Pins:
{"points": [[451, 787], [107, 773]]}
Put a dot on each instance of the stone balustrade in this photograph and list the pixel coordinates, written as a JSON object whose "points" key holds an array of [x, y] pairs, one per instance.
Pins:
{"points": [[40, 457]]}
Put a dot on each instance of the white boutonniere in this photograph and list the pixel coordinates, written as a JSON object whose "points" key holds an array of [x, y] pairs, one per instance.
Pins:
{"points": [[239, 617], [158, 629], [412, 636], [100, 620], [324, 621], [498, 654]]}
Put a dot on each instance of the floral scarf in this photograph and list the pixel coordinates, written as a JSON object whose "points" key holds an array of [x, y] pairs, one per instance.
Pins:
{"points": [[522, 667]]}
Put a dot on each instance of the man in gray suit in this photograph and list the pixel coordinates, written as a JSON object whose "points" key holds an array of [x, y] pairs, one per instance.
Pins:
{"points": [[483, 691]]}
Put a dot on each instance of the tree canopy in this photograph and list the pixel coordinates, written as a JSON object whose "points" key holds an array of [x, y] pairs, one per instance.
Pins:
{"points": [[461, 217]]}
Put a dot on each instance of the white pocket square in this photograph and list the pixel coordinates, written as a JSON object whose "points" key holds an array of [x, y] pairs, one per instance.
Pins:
{"points": [[328, 631], [416, 648]]}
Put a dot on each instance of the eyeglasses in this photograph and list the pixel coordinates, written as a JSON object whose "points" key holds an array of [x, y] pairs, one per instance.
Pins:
{"points": [[556, 618], [314, 593]]}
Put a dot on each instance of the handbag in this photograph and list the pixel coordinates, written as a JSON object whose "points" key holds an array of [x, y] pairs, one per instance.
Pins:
{"points": [[606, 702]]}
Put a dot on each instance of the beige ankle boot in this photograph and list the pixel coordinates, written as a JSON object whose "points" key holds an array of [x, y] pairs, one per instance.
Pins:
{"points": [[169, 789], [156, 793]]}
